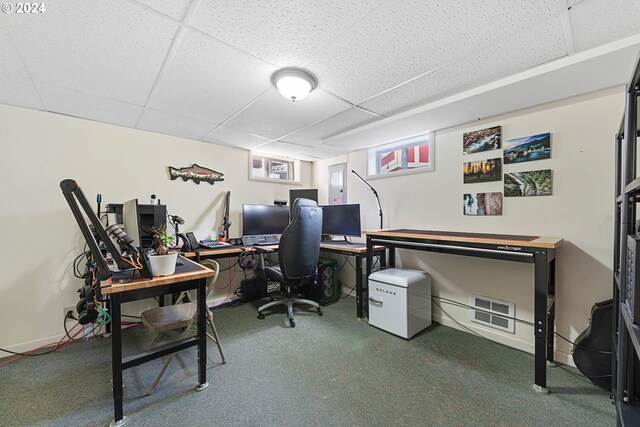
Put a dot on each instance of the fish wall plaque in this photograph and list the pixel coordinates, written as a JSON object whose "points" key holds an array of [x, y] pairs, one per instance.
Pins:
{"points": [[196, 173]]}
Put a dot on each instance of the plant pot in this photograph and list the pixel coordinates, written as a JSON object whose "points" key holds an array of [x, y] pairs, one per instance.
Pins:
{"points": [[163, 265]]}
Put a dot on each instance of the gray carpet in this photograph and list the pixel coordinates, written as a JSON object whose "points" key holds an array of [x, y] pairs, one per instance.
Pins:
{"points": [[330, 370]]}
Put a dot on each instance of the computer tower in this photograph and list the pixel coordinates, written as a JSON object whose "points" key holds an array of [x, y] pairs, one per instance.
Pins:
{"points": [[149, 216], [326, 288]]}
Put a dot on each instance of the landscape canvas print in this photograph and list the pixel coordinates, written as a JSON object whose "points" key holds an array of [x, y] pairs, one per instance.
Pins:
{"points": [[527, 149], [482, 203], [530, 183], [481, 140], [483, 171]]}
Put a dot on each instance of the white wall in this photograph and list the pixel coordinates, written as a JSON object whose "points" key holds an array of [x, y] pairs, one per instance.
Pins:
{"points": [[580, 210], [40, 236]]}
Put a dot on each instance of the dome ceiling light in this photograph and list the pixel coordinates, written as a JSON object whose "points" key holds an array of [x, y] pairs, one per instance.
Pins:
{"points": [[294, 83]]}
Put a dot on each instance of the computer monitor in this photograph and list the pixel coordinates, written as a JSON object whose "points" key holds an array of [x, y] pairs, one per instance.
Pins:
{"points": [[264, 219], [309, 193], [130, 221], [341, 220]]}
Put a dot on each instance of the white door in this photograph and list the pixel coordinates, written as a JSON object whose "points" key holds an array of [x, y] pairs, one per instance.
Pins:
{"points": [[338, 184]]}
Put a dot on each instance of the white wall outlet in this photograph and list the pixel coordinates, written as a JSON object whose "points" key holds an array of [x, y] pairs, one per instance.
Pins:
{"points": [[71, 308]]}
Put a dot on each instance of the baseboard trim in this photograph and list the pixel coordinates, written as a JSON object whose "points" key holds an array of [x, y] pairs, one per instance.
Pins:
{"points": [[558, 356], [30, 345]]}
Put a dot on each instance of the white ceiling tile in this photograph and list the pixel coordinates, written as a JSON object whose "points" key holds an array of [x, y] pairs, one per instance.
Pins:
{"points": [[524, 50], [108, 48], [173, 8], [324, 151], [600, 21], [79, 104], [334, 125], [401, 40], [209, 80], [161, 122], [307, 157], [272, 116], [296, 30], [228, 136], [19, 92], [11, 64], [280, 148]]}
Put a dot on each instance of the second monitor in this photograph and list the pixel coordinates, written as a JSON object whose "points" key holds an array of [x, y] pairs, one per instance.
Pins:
{"points": [[341, 220]]}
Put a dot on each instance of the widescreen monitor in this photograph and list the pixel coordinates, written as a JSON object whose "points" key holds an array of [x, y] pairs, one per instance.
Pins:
{"points": [[264, 219], [341, 220]]}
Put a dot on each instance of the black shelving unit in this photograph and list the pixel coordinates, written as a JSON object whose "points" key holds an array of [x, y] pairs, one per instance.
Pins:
{"points": [[626, 331]]}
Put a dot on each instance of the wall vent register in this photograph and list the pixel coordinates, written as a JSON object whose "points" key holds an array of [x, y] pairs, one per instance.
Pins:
{"points": [[492, 313]]}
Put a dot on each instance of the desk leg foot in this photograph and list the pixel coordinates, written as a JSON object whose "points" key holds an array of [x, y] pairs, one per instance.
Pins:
{"points": [[201, 387], [118, 423], [551, 364], [540, 390]]}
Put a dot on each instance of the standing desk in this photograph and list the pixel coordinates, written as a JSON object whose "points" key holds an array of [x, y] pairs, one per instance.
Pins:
{"points": [[540, 251], [356, 250], [190, 276]]}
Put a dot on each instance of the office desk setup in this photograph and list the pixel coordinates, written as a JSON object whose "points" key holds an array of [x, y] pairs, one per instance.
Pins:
{"points": [[356, 250], [188, 276], [540, 251]]}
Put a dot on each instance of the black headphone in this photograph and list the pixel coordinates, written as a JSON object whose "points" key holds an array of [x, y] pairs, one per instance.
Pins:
{"points": [[86, 307], [247, 260]]}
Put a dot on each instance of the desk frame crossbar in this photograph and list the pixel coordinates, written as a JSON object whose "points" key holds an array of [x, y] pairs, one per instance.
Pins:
{"points": [[544, 260]]}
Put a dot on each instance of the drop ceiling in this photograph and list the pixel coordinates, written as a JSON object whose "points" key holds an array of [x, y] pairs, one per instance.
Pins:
{"points": [[201, 69]]}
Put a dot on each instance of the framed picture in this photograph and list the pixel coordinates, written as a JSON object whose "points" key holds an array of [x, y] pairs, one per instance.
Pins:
{"points": [[414, 154], [481, 140], [527, 149], [482, 171], [530, 183], [482, 203]]}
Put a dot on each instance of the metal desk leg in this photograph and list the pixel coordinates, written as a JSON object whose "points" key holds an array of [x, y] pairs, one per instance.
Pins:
{"points": [[202, 335], [368, 268], [392, 257], [551, 314], [359, 289], [540, 320], [116, 361]]}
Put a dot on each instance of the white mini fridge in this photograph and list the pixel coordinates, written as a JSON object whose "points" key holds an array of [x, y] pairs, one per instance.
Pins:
{"points": [[400, 301]]}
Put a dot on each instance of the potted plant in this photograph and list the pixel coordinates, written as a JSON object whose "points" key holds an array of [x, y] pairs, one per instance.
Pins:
{"points": [[163, 262]]}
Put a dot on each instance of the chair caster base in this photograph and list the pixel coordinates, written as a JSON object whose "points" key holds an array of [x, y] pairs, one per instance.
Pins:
{"points": [[291, 322], [319, 312], [260, 316], [118, 423], [201, 387], [540, 390]]}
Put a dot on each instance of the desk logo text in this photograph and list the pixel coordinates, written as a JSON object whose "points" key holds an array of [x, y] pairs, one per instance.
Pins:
{"points": [[510, 248]]}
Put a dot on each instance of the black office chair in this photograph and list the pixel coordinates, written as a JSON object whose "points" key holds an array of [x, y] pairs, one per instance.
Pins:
{"points": [[298, 255]]}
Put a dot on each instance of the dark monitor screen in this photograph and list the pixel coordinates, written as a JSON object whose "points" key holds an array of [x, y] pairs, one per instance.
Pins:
{"points": [[264, 219], [341, 220], [310, 193], [130, 221]]}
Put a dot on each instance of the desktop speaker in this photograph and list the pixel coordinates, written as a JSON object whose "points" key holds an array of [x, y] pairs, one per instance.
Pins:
{"points": [[326, 289]]}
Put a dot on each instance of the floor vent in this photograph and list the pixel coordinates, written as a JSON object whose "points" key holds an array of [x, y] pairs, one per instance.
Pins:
{"points": [[492, 312]]}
